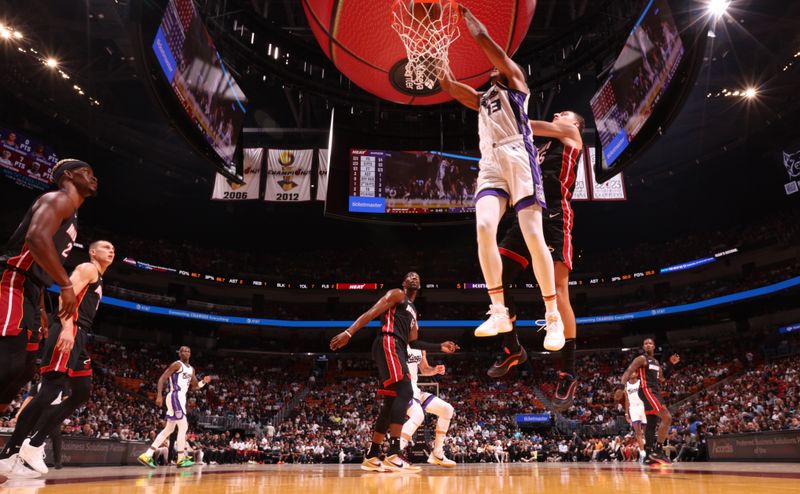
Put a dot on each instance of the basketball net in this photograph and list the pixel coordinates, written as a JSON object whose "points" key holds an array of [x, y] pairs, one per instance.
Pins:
{"points": [[427, 28]]}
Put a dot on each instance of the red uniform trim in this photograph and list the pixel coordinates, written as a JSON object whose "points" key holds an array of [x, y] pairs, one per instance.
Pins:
{"points": [[392, 361], [22, 261], [648, 394], [81, 373], [12, 295], [386, 392], [567, 179], [514, 257]]}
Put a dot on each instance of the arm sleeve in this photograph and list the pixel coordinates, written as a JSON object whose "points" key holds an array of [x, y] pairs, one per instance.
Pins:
{"points": [[426, 346]]}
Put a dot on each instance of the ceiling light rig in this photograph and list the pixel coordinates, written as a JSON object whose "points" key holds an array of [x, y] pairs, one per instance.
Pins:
{"points": [[11, 35]]}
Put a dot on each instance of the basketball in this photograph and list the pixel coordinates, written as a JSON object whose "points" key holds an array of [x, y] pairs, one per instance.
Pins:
{"points": [[357, 36]]}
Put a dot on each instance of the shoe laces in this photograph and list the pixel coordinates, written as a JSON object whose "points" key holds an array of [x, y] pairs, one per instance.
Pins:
{"points": [[497, 310]]}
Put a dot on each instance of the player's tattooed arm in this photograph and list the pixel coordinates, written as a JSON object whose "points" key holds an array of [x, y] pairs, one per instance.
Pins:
{"points": [[392, 298]]}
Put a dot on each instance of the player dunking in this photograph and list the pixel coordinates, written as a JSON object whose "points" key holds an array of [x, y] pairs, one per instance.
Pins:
{"points": [[509, 174], [634, 411], [426, 402], [651, 373], [558, 156], [65, 360], [31, 261], [181, 377], [398, 332]]}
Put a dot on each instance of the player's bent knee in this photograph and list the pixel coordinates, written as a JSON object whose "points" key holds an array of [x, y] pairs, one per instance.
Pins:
{"points": [[448, 411]]}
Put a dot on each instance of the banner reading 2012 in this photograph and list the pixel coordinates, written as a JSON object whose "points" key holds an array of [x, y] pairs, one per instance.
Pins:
{"points": [[289, 175]]}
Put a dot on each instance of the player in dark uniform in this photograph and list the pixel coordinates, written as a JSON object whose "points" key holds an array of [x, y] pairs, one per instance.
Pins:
{"points": [[651, 373], [32, 260], [65, 360], [558, 156], [389, 350]]}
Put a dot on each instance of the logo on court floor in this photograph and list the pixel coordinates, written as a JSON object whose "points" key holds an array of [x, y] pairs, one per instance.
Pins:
{"points": [[418, 82]]}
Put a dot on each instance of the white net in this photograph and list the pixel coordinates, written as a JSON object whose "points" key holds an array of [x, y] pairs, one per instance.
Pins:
{"points": [[427, 29]]}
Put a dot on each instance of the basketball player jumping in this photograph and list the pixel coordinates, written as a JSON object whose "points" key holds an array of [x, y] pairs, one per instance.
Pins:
{"points": [[398, 332], [426, 402], [634, 411], [558, 156], [65, 360], [181, 377], [651, 373], [509, 174], [32, 260]]}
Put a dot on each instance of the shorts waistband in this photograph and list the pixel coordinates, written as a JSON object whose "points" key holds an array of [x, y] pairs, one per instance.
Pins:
{"points": [[508, 140]]}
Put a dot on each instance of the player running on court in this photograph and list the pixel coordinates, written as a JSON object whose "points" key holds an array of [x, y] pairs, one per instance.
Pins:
{"points": [[398, 332], [426, 402], [180, 376], [509, 175]]}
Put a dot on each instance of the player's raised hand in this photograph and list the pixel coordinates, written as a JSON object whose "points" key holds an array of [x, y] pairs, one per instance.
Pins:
{"points": [[675, 359], [439, 369], [340, 340], [207, 379], [449, 347]]}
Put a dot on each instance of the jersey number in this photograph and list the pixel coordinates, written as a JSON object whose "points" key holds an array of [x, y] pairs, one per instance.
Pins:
{"points": [[66, 251], [493, 106]]}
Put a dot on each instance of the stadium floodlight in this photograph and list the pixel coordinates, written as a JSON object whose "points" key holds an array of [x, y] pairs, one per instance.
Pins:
{"points": [[51, 62], [750, 93], [717, 8]]}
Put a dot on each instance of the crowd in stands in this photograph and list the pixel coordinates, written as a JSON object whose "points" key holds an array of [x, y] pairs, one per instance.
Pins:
{"points": [[334, 403]]}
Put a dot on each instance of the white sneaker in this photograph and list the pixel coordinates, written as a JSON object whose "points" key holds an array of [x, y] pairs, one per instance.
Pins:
{"points": [[554, 341], [373, 464], [397, 463], [442, 460], [498, 322], [6, 464], [17, 469], [33, 456]]}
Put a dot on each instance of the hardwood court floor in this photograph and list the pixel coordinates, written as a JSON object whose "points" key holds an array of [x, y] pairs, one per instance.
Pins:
{"points": [[553, 478]]}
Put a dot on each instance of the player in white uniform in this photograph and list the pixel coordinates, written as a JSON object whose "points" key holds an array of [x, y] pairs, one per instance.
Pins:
{"points": [[181, 378], [634, 411], [426, 402], [509, 174]]}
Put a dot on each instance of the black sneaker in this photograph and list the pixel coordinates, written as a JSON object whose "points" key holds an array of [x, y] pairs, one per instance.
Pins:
{"points": [[660, 457], [565, 392], [506, 361]]}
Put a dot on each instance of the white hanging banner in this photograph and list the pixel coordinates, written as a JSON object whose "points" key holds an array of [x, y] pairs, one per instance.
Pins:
{"points": [[289, 175], [611, 190], [227, 190], [581, 190], [322, 178]]}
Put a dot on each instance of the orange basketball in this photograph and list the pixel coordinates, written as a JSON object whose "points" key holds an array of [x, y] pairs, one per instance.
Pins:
{"points": [[357, 36]]}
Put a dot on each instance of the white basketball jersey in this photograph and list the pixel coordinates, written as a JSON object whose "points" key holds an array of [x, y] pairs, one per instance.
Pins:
{"points": [[179, 381], [503, 113], [633, 395], [414, 358]]}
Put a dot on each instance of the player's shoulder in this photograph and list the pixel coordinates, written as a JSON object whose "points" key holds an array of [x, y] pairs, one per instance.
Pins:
{"points": [[89, 271]]}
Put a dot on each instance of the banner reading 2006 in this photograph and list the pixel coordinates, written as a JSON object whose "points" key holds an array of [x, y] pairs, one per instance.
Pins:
{"points": [[230, 191], [289, 175]]}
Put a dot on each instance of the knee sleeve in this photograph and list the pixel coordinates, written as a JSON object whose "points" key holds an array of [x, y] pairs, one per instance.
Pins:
{"points": [[404, 395], [415, 414]]}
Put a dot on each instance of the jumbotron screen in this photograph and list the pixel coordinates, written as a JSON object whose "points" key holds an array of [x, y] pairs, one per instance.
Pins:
{"points": [[640, 76], [208, 93], [411, 182]]}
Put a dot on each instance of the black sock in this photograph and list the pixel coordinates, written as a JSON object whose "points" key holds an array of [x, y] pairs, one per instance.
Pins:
{"points": [[510, 340], [394, 446], [650, 434], [374, 450], [568, 357]]}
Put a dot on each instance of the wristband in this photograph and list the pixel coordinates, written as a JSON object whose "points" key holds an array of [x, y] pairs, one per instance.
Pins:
{"points": [[201, 384], [348, 333], [66, 286]]}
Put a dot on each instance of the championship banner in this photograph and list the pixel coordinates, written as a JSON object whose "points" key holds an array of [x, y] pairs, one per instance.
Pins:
{"points": [[227, 190], [581, 191], [322, 179], [26, 162], [791, 162], [289, 175], [611, 190]]}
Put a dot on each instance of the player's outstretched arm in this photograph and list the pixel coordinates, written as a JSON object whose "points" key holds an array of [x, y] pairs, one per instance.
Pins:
{"points": [[392, 298], [566, 133], [195, 384], [462, 93], [426, 369], [496, 55], [637, 363]]}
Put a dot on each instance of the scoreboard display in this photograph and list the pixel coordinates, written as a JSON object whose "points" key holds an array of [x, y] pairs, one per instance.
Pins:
{"points": [[411, 182]]}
